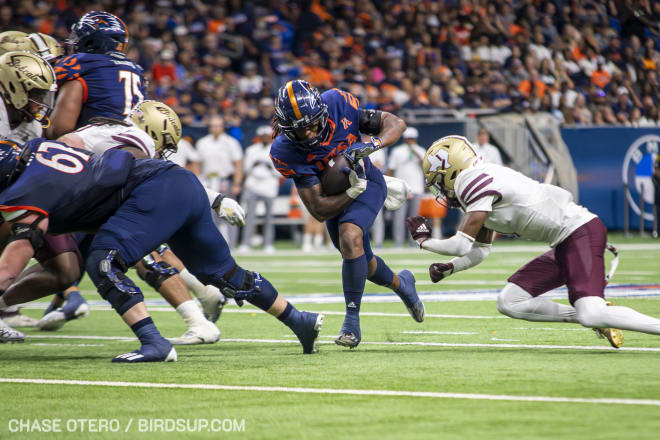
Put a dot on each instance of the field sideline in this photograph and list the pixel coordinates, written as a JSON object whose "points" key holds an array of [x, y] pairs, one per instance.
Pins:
{"points": [[466, 372]]}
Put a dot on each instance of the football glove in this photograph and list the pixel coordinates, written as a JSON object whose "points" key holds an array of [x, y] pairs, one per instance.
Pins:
{"points": [[397, 192], [358, 181], [440, 271], [230, 211], [419, 229], [361, 150]]}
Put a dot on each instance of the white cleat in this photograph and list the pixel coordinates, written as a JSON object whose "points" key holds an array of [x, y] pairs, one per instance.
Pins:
{"points": [[206, 333], [19, 320], [213, 303], [8, 334], [56, 319]]}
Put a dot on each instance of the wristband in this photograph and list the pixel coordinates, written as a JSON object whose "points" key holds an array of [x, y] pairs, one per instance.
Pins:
{"points": [[378, 142], [217, 201]]}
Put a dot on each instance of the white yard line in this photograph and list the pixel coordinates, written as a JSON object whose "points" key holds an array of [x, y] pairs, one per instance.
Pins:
{"points": [[402, 343], [432, 332], [350, 392]]}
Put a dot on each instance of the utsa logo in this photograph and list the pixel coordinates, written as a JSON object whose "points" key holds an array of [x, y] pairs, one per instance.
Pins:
{"points": [[346, 123]]}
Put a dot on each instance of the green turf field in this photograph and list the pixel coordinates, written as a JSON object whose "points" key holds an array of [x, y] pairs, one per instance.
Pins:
{"points": [[465, 373]]}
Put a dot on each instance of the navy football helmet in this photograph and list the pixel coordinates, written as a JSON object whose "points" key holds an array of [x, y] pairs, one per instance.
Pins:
{"points": [[98, 32], [298, 106], [13, 159]]}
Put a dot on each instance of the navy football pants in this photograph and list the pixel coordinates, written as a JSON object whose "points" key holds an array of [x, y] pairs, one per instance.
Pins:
{"points": [[171, 207]]}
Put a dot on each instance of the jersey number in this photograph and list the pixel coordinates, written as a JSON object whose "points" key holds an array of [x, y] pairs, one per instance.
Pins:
{"points": [[70, 161], [132, 83]]}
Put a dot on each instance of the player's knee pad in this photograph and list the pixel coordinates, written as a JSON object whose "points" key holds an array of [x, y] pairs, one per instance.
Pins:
{"points": [[156, 272], [242, 284], [107, 269]]}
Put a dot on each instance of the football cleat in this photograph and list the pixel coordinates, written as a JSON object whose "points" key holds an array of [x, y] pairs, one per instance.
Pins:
{"points": [[213, 303], [8, 334], [308, 331], [408, 295], [613, 335], [73, 309], [207, 333], [18, 320], [347, 339], [148, 353]]}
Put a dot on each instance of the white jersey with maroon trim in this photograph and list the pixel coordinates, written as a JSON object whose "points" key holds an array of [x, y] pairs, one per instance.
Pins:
{"points": [[22, 133], [519, 205], [99, 138]]}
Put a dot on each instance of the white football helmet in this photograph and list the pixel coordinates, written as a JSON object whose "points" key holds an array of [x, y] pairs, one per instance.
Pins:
{"points": [[444, 161]]}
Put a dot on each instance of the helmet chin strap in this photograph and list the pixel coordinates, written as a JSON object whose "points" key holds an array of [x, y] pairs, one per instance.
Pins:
{"points": [[45, 121]]}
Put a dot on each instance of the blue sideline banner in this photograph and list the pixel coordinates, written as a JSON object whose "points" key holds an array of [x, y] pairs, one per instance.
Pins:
{"points": [[609, 158]]}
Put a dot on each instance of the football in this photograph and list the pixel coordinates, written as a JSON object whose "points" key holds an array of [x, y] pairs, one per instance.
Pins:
{"points": [[333, 180]]}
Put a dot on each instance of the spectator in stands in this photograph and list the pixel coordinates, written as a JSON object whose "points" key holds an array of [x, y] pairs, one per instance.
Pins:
{"points": [[262, 183], [446, 51]]}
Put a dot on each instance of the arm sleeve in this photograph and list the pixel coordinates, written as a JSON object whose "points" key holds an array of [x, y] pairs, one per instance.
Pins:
{"points": [[370, 121], [476, 255], [458, 245]]}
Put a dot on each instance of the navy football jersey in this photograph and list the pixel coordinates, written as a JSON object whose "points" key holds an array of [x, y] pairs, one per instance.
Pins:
{"points": [[306, 167], [112, 84], [76, 189]]}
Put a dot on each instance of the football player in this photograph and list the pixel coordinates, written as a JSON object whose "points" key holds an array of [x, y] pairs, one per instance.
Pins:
{"points": [[134, 206], [498, 199], [61, 250], [312, 128], [97, 79], [27, 86], [153, 130]]}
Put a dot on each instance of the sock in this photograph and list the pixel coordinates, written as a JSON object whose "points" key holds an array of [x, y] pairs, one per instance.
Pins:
{"points": [[290, 316], [194, 285], [354, 276], [146, 331], [190, 313], [3, 305], [383, 276], [307, 241], [593, 312], [517, 303], [318, 240]]}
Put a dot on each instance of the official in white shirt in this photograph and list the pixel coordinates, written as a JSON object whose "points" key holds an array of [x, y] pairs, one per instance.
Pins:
{"points": [[405, 163], [187, 157], [222, 167], [489, 151], [262, 183]]}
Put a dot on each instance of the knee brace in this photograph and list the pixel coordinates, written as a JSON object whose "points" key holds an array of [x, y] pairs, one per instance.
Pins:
{"points": [[156, 271], [240, 284], [112, 283]]}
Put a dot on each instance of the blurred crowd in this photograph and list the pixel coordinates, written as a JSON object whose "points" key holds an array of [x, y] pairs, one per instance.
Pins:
{"points": [[585, 61]]}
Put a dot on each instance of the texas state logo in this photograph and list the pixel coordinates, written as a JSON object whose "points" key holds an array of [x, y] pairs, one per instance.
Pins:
{"points": [[637, 172]]}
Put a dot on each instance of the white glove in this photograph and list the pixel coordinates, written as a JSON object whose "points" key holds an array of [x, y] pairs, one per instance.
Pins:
{"points": [[398, 191], [230, 211], [358, 185]]}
